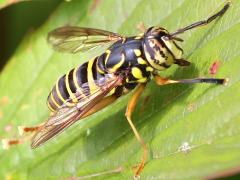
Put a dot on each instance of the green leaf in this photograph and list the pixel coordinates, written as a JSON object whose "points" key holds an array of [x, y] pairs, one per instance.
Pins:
{"points": [[5, 3], [205, 117]]}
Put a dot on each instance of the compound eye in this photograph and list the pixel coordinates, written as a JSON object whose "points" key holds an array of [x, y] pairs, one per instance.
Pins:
{"points": [[162, 33]]}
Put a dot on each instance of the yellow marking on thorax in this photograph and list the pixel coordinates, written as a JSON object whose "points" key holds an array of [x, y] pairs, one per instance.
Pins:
{"points": [[79, 89], [50, 107], [118, 65], [54, 101], [72, 96], [137, 52], [108, 52], [92, 86], [149, 68], [137, 73], [141, 60], [139, 36]]}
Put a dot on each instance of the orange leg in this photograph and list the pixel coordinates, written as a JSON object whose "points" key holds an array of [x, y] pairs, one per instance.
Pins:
{"points": [[130, 108], [105, 102], [163, 81], [7, 143]]}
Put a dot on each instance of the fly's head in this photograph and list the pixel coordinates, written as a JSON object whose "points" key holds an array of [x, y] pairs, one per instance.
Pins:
{"points": [[161, 50]]}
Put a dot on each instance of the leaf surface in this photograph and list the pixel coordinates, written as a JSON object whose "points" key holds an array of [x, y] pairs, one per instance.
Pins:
{"points": [[205, 117]]}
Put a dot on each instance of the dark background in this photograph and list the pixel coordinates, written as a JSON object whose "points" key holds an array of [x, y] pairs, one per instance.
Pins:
{"points": [[19, 19]]}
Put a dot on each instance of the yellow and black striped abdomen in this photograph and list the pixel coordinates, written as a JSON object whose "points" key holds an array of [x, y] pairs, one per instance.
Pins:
{"points": [[75, 85]]}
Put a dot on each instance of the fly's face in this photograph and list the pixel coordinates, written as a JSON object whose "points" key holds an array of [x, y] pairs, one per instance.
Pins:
{"points": [[160, 50]]}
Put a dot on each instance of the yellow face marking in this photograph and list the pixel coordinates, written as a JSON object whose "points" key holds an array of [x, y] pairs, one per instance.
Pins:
{"points": [[72, 96], [150, 69], [50, 107], [173, 48], [79, 89], [108, 52], [151, 61], [141, 61], [54, 101], [137, 52], [91, 83], [118, 65]]}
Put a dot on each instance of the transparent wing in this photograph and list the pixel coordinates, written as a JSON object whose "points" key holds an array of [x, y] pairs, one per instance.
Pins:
{"points": [[79, 39], [66, 116]]}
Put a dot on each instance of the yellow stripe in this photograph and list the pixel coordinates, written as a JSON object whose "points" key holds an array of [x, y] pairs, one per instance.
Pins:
{"points": [[79, 89], [91, 83], [118, 65], [50, 107], [54, 101], [60, 96], [58, 92], [72, 96], [99, 70], [108, 52]]}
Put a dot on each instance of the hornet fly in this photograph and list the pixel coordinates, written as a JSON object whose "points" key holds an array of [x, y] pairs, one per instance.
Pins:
{"points": [[129, 63]]}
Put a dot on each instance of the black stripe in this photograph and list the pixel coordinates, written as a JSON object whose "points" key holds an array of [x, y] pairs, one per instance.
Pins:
{"points": [[62, 87], [94, 69], [82, 74], [165, 65], [82, 78], [49, 100], [100, 62], [55, 96], [71, 83], [164, 45]]}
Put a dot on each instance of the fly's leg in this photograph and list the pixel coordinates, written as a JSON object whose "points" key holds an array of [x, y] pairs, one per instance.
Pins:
{"points": [[7, 143], [23, 130], [103, 103], [130, 108], [163, 81]]}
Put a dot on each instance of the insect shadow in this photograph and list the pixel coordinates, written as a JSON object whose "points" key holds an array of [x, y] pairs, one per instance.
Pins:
{"points": [[114, 131]]}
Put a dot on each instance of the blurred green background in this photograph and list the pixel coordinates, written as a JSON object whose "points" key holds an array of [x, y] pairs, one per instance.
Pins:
{"points": [[16, 20]]}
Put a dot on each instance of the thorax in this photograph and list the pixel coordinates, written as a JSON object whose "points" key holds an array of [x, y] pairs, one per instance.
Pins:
{"points": [[127, 57]]}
